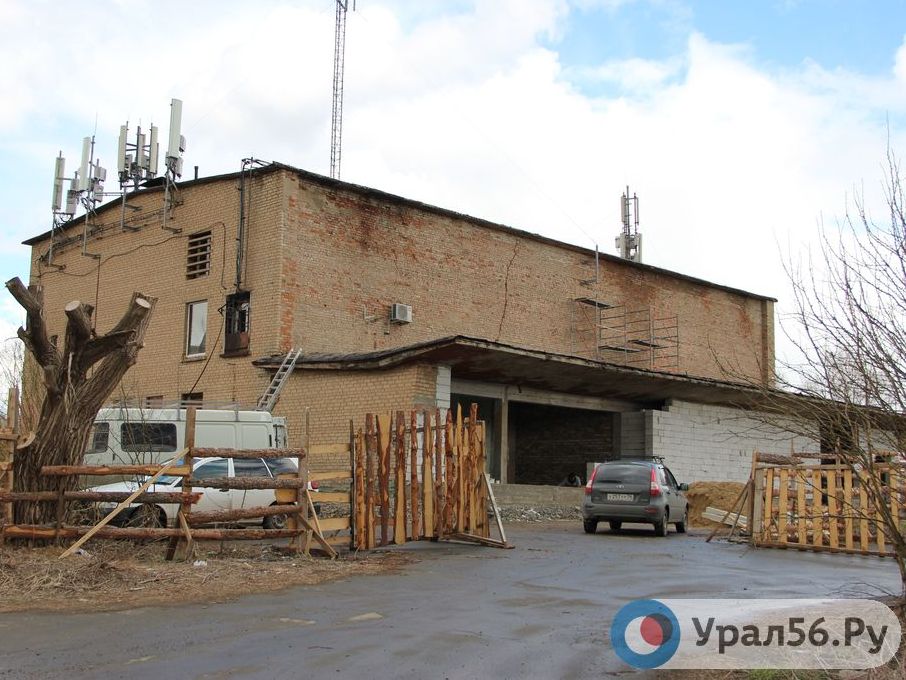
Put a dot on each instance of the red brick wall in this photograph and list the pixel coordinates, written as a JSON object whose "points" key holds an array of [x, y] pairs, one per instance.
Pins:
{"points": [[348, 256]]}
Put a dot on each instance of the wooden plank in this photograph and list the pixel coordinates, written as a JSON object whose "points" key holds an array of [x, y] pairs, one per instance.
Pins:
{"points": [[880, 532], [895, 486], [832, 519], [439, 486], [863, 513], [122, 470], [383, 425], [42, 532], [334, 523], [328, 450], [250, 482], [189, 460], [399, 508], [99, 496], [218, 516], [848, 509], [758, 532], [414, 488], [462, 471], [450, 475], [116, 511], [371, 446], [329, 475], [768, 500], [783, 503], [493, 499], [358, 496], [331, 497], [247, 454], [302, 543], [817, 513], [827, 549], [428, 476], [801, 510]]}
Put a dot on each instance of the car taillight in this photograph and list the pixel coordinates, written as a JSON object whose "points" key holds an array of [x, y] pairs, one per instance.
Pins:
{"points": [[655, 489], [591, 480], [314, 485]]}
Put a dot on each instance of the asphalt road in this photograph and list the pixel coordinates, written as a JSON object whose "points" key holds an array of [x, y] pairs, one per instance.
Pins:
{"points": [[539, 611]]}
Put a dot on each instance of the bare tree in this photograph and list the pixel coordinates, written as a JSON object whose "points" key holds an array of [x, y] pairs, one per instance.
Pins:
{"points": [[849, 326], [16, 372], [77, 380]]}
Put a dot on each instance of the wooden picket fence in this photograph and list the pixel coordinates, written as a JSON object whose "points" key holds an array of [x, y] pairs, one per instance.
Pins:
{"points": [[824, 507], [422, 475], [9, 437]]}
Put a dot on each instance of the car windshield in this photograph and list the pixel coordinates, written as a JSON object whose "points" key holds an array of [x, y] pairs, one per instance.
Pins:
{"points": [[623, 474]]}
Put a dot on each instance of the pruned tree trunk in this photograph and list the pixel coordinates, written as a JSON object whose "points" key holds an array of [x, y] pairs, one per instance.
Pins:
{"points": [[78, 381]]}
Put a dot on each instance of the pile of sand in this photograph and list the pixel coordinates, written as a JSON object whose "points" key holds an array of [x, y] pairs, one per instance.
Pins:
{"points": [[702, 495]]}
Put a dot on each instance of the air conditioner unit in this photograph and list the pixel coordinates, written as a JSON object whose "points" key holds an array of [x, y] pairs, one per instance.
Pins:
{"points": [[400, 313]]}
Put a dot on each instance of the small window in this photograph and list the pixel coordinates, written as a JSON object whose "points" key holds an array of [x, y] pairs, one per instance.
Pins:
{"points": [[212, 469], [196, 328], [148, 436], [155, 401], [192, 399], [198, 258], [236, 320], [99, 437], [250, 468]]}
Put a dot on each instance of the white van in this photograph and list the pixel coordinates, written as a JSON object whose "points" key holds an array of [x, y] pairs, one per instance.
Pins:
{"points": [[137, 436]]}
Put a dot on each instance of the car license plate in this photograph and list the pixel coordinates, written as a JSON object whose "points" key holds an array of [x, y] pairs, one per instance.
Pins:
{"points": [[619, 496]]}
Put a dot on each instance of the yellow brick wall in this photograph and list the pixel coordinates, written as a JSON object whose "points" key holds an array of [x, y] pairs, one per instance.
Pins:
{"points": [[153, 261], [335, 397]]}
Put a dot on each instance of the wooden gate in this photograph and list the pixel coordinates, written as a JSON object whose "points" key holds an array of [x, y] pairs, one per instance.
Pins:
{"points": [[826, 507], [421, 475]]}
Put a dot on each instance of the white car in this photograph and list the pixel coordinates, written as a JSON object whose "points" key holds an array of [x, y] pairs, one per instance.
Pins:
{"points": [[212, 499]]}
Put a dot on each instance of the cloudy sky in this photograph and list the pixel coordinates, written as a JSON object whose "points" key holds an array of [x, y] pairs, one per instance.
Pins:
{"points": [[740, 125]]}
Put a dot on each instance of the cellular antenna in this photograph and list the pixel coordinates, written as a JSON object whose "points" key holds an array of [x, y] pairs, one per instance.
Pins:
{"points": [[339, 63], [173, 162], [629, 242]]}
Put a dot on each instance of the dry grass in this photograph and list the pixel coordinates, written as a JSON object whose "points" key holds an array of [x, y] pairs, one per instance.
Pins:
{"points": [[115, 575]]}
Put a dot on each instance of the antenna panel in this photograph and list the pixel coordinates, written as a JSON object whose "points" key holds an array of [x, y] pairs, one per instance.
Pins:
{"points": [[175, 128], [141, 159], [122, 165], [59, 173], [84, 173], [152, 152]]}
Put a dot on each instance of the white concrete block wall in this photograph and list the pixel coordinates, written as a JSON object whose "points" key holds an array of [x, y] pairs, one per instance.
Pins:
{"points": [[701, 442]]}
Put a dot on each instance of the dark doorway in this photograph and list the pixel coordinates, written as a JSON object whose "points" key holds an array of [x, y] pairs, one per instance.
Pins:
{"points": [[489, 412], [549, 443]]}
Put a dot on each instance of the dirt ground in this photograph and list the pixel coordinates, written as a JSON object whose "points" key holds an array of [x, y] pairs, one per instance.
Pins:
{"points": [[115, 575], [702, 495]]}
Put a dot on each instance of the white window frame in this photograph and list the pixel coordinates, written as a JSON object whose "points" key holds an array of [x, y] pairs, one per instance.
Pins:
{"points": [[190, 315]]}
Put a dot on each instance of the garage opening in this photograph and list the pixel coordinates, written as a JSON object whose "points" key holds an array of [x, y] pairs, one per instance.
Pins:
{"points": [[549, 444]]}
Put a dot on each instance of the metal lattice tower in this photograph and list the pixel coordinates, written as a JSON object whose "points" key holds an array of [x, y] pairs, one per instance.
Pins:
{"points": [[339, 57]]}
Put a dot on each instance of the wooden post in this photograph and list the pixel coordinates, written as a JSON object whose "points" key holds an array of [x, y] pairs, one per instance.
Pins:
{"points": [[768, 501], [817, 514], [483, 525], [783, 503], [428, 475], [461, 471], [353, 488], [384, 423], [303, 541], [414, 490], [360, 505], [439, 486], [864, 536], [848, 503], [801, 509], [188, 460], [399, 508], [450, 460], [756, 518], [371, 452], [7, 457], [832, 524]]}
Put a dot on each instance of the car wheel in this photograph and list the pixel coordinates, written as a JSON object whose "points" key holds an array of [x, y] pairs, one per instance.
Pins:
{"points": [[681, 526], [660, 528], [615, 525], [274, 522], [590, 526]]}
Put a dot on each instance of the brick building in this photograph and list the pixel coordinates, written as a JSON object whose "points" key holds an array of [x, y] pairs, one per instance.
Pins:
{"points": [[572, 356]]}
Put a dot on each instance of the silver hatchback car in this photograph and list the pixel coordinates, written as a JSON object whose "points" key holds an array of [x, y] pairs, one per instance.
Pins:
{"points": [[635, 491]]}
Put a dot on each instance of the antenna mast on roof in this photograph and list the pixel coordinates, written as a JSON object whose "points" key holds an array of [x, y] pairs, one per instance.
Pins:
{"points": [[629, 242], [339, 59]]}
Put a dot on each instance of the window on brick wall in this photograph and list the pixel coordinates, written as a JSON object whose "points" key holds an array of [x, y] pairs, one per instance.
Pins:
{"points": [[198, 257], [155, 401], [196, 328], [237, 321], [191, 399]]}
